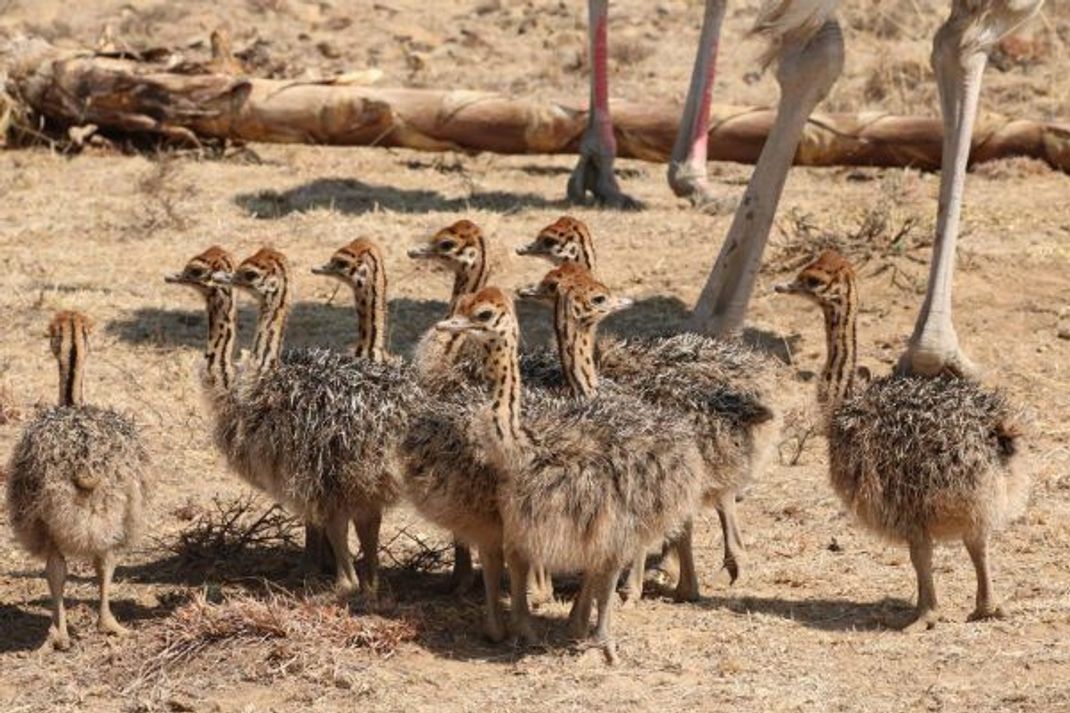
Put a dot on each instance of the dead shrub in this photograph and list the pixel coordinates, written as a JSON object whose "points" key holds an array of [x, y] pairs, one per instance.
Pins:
{"points": [[313, 631], [232, 527]]}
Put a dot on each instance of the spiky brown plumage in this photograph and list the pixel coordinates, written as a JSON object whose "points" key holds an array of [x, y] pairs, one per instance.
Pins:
{"points": [[63, 450], [585, 482], [724, 387], [915, 459], [916, 455], [318, 431], [598, 479], [77, 481], [450, 476]]}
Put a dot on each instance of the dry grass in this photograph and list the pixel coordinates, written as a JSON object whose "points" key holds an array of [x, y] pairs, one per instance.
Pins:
{"points": [[879, 241], [294, 634], [811, 624], [9, 409]]}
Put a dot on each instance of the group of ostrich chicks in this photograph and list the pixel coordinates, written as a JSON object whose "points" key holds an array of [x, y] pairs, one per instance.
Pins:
{"points": [[577, 459]]}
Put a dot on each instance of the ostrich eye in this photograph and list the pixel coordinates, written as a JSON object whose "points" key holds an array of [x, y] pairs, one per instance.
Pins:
{"points": [[484, 315]]}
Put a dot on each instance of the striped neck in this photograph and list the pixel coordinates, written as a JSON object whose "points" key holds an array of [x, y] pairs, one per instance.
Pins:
{"points": [[585, 256], [270, 325], [222, 327], [371, 314], [575, 348], [470, 278], [503, 378], [72, 370], [837, 378]]}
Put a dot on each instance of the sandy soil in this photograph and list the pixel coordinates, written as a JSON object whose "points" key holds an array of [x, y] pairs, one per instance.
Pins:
{"points": [[812, 625]]}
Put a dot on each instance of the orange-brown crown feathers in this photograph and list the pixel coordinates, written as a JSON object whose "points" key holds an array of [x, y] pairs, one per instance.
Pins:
{"points": [[566, 240], [217, 258], [199, 270], [589, 300], [487, 313], [822, 278], [554, 281], [263, 270], [354, 262], [461, 242]]}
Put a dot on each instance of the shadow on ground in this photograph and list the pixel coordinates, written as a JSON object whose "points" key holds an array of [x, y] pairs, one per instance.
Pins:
{"points": [[353, 197], [332, 325], [26, 630], [820, 614]]}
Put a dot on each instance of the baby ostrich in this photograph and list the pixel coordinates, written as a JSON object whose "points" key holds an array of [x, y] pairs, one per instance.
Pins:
{"points": [[462, 249], [915, 459], [317, 430], [217, 376], [725, 386], [586, 481], [77, 481]]}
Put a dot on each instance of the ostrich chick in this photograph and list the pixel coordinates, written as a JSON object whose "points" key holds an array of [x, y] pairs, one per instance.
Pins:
{"points": [[77, 481], [915, 459]]}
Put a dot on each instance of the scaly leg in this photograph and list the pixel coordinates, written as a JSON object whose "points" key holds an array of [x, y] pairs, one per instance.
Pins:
{"points": [[56, 574], [337, 531], [604, 587], [687, 589], [960, 53], [921, 556], [540, 586], [805, 75], [733, 540], [633, 587], [317, 557], [519, 614], [598, 146], [106, 623], [368, 524], [666, 573], [987, 607], [493, 621], [688, 176], [463, 575], [579, 618]]}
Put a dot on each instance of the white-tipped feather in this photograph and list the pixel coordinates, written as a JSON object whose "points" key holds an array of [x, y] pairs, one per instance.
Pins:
{"points": [[783, 22]]}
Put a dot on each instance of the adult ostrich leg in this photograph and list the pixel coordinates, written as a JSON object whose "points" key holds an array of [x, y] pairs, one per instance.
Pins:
{"points": [[598, 146], [808, 63], [960, 53]]}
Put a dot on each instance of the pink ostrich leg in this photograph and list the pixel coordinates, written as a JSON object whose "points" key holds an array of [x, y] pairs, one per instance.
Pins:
{"points": [[598, 146], [688, 177]]}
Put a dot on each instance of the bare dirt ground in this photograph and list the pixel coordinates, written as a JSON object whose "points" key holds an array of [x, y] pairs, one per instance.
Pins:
{"points": [[222, 625]]}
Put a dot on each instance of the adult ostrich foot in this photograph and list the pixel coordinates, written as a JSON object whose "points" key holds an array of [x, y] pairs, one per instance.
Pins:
{"points": [[921, 359], [594, 174], [694, 185]]}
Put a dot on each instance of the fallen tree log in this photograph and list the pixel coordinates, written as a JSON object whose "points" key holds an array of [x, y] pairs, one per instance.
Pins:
{"points": [[125, 94]]}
